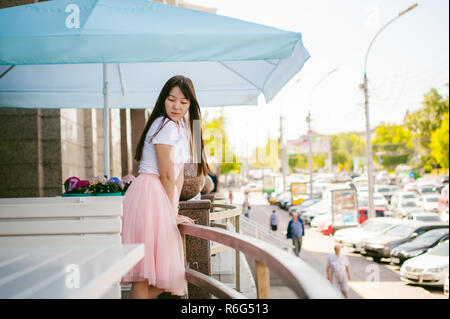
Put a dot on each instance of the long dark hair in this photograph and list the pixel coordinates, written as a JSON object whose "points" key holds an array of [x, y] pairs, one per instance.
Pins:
{"points": [[186, 86]]}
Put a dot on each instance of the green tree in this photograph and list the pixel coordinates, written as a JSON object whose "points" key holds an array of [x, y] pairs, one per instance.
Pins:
{"points": [[392, 145], [439, 143], [424, 122], [345, 146], [216, 143]]}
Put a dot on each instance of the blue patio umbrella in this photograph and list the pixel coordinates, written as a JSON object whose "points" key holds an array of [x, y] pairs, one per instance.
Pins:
{"points": [[118, 54]]}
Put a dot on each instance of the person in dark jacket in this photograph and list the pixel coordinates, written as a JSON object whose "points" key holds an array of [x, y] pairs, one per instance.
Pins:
{"points": [[296, 231]]}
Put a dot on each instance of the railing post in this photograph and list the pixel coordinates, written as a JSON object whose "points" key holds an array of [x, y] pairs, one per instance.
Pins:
{"points": [[262, 281], [238, 257]]}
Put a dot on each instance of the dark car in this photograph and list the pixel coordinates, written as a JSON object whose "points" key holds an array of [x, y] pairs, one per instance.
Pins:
{"points": [[419, 245], [381, 245]]}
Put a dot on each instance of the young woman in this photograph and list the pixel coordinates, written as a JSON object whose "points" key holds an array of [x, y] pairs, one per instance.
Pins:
{"points": [[150, 206]]}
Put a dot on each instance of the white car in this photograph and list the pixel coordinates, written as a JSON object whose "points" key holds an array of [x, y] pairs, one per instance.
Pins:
{"points": [[424, 217], [320, 218], [429, 269], [403, 196], [355, 236], [429, 203], [382, 177], [411, 187], [378, 199], [427, 189], [386, 190], [407, 207], [321, 208]]}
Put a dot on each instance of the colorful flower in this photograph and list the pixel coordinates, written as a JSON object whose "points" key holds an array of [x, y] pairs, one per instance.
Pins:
{"points": [[128, 179], [100, 179], [114, 180], [82, 184], [71, 183]]}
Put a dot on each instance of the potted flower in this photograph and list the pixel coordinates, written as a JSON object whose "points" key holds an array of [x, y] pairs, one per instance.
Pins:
{"points": [[73, 186], [103, 187], [126, 182]]}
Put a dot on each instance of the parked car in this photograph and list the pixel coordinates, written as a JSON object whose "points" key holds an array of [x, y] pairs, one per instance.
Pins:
{"points": [[321, 218], [423, 217], [386, 190], [360, 181], [429, 269], [313, 207], [427, 189], [429, 203], [380, 246], [303, 206], [285, 201], [407, 207], [321, 208], [282, 198], [403, 196], [379, 212], [378, 199], [411, 187], [274, 196], [354, 237], [382, 177], [419, 245], [325, 226]]}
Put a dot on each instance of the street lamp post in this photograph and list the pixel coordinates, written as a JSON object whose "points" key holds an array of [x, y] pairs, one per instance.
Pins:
{"points": [[364, 86]]}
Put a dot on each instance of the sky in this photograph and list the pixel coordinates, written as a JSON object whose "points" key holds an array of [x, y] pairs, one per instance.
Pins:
{"points": [[408, 58]]}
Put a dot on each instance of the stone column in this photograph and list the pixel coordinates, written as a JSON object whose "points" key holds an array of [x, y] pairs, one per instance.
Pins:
{"points": [[138, 124], [30, 153]]}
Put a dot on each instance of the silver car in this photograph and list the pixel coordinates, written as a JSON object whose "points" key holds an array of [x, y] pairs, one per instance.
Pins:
{"points": [[355, 237]]}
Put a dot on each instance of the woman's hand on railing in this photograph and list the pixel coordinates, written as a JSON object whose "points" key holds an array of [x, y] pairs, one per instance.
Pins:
{"points": [[184, 219]]}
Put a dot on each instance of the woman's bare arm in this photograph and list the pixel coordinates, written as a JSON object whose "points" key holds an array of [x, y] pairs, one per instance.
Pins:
{"points": [[180, 181], [164, 156]]}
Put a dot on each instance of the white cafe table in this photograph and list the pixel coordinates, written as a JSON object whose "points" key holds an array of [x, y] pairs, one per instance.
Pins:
{"points": [[65, 272]]}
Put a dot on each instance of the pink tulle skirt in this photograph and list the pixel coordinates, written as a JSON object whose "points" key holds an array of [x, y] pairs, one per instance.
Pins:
{"points": [[149, 218]]}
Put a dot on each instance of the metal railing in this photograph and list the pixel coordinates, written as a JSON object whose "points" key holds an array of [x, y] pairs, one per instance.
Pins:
{"points": [[304, 280], [254, 229]]}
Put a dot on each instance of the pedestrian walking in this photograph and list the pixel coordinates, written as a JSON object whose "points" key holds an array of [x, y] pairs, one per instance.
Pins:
{"points": [[230, 196], [338, 270], [296, 231], [247, 213], [150, 206], [274, 220], [244, 207]]}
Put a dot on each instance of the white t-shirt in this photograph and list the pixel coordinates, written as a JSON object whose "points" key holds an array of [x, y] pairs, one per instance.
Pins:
{"points": [[169, 134], [337, 263]]}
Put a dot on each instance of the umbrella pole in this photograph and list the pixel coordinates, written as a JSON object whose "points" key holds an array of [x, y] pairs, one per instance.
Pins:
{"points": [[106, 93]]}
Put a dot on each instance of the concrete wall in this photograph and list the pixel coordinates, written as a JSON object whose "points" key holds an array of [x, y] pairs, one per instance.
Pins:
{"points": [[30, 153]]}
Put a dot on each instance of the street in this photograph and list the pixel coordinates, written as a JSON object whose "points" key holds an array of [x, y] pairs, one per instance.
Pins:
{"points": [[370, 280]]}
